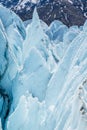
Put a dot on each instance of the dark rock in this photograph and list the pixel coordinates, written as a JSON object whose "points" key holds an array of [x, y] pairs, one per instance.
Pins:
{"points": [[70, 12]]}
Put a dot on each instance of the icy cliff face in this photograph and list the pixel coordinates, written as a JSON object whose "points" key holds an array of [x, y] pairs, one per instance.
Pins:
{"points": [[43, 75]]}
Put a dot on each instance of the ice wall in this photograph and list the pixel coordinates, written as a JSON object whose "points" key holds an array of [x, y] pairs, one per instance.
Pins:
{"points": [[43, 74]]}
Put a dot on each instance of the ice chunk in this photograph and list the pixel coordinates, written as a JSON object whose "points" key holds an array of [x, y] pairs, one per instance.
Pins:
{"points": [[12, 35], [59, 78], [36, 37], [70, 35], [34, 61], [37, 75], [18, 115], [3, 50], [56, 31], [8, 18]]}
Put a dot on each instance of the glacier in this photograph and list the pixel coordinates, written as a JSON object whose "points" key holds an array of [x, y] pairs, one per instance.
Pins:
{"points": [[43, 74]]}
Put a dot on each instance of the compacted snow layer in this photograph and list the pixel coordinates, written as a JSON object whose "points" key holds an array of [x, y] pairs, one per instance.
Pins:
{"points": [[43, 74]]}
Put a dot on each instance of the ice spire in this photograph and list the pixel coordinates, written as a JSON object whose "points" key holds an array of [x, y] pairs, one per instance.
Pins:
{"points": [[36, 36], [36, 20]]}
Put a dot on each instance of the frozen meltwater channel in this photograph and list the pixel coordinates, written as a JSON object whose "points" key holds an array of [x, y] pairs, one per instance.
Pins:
{"points": [[43, 74]]}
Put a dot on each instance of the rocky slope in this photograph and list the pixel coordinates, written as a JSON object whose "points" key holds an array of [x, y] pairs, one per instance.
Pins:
{"points": [[70, 12]]}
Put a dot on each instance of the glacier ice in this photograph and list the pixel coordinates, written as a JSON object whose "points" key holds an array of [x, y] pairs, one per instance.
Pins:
{"points": [[43, 74]]}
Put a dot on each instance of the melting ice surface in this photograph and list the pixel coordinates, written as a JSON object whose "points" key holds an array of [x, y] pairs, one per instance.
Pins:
{"points": [[43, 74]]}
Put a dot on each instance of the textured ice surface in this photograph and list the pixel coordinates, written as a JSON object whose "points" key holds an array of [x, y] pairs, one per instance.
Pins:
{"points": [[43, 74]]}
